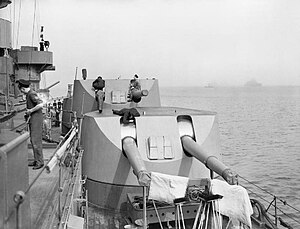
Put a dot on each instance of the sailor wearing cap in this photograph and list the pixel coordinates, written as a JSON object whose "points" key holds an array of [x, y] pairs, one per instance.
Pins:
{"points": [[34, 114]]}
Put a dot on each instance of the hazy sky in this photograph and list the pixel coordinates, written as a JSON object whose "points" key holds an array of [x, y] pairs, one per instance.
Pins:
{"points": [[180, 42]]}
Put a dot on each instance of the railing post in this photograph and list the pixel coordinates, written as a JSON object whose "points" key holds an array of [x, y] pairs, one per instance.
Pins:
{"points": [[144, 207], [18, 217], [59, 190], [87, 209], [18, 199], [275, 203]]}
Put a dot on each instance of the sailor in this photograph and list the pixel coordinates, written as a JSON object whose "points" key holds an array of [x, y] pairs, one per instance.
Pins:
{"points": [[54, 104], [57, 112], [48, 107], [127, 114], [59, 105], [34, 118], [134, 83], [98, 85]]}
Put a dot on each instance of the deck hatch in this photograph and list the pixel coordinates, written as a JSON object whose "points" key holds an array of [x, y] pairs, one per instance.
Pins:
{"points": [[153, 149], [159, 148], [118, 97], [168, 153]]}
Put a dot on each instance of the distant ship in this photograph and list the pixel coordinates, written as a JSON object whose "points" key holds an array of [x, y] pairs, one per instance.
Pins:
{"points": [[252, 83], [210, 85]]}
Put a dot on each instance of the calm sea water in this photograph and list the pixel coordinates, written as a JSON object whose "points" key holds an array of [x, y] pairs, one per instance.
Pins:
{"points": [[259, 131]]}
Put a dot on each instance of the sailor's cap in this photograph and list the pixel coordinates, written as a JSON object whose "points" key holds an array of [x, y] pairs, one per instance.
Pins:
{"points": [[23, 83]]}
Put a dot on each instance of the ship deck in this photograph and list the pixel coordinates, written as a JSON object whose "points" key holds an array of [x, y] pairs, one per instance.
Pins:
{"points": [[45, 189]]}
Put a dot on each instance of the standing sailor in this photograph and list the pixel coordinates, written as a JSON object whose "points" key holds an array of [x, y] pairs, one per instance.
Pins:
{"points": [[34, 116]]}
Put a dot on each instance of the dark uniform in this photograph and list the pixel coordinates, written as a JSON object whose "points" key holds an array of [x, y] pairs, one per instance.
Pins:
{"points": [[98, 85], [35, 126]]}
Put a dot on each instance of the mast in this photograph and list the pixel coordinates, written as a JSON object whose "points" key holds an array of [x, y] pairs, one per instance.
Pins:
{"points": [[6, 62], [28, 62]]}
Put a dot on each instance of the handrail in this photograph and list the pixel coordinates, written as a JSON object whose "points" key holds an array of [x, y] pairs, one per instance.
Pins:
{"points": [[10, 145], [60, 150], [273, 202], [67, 210], [19, 197], [9, 114], [283, 201], [58, 154]]}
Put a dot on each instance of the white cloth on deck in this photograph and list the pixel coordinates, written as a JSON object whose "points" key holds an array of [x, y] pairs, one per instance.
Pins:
{"points": [[166, 188], [235, 202]]}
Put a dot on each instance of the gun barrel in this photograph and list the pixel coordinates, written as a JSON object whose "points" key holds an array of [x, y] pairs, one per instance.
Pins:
{"points": [[133, 155], [209, 160], [52, 85], [136, 95]]}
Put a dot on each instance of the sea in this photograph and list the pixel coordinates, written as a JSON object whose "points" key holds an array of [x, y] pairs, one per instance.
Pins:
{"points": [[259, 138]]}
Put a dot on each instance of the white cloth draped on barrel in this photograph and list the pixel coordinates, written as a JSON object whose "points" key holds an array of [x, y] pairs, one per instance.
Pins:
{"points": [[166, 188]]}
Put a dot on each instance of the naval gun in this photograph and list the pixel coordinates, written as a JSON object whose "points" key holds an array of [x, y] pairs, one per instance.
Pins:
{"points": [[136, 161], [52, 85], [119, 156], [136, 95], [44, 93], [192, 148], [211, 161], [47, 89]]}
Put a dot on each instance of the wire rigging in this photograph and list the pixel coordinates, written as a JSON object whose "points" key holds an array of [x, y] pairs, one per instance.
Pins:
{"points": [[282, 201], [12, 18], [33, 23], [32, 38], [18, 30]]}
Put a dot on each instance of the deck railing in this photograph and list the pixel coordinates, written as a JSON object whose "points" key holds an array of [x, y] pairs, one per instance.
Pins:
{"points": [[277, 209], [50, 193], [13, 162]]}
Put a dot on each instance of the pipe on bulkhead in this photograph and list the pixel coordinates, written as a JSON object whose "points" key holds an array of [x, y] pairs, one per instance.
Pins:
{"points": [[209, 160], [135, 160]]}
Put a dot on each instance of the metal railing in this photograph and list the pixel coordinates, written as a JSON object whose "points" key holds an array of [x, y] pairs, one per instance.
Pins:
{"points": [[275, 205], [55, 207], [13, 162]]}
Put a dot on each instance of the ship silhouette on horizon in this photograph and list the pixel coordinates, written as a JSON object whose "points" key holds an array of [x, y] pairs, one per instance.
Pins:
{"points": [[252, 83]]}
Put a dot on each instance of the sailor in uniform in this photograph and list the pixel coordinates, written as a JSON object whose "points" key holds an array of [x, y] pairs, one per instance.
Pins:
{"points": [[34, 117], [98, 86]]}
